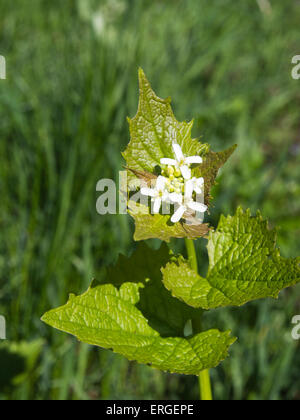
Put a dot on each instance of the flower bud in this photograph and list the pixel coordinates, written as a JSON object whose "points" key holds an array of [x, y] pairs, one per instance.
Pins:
{"points": [[170, 170], [177, 172]]}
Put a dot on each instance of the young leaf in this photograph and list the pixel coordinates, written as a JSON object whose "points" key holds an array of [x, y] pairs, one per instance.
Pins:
{"points": [[148, 226], [147, 177], [153, 131], [244, 265], [138, 318]]}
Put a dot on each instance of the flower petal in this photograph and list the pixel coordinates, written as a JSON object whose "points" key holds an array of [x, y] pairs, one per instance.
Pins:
{"points": [[160, 183], [157, 205], [166, 161], [189, 189], [148, 191], [176, 198], [178, 152], [201, 208], [194, 159], [186, 172], [178, 214]]}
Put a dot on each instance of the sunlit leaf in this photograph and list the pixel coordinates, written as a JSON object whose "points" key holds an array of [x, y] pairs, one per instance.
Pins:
{"points": [[244, 265], [137, 317]]}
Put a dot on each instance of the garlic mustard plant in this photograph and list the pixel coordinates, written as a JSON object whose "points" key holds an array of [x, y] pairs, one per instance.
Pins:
{"points": [[143, 304]]}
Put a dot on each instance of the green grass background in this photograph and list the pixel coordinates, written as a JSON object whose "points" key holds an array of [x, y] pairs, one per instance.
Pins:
{"points": [[71, 83]]}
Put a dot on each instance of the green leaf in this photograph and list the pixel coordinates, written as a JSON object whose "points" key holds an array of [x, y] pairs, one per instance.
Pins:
{"points": [[144, 176], [154, 129], [150, 226], [143, 268], [244, 265], [137, 317]]}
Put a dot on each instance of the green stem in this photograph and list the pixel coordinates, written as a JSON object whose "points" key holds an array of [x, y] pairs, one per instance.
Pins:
{"points": [[204, 377]]}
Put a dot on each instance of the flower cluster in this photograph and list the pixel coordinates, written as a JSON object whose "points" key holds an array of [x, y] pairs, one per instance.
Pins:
{"points": [[177, 186]]}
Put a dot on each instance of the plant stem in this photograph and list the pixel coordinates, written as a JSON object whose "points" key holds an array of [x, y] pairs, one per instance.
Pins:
{"points": [[204, 377]]}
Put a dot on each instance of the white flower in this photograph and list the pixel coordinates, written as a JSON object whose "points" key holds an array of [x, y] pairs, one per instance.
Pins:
{"points": [[158, 194], [187, 203], [181, 162]]}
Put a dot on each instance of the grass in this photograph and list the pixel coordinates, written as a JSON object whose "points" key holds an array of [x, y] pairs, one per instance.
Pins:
{"points": [[71, 83]]}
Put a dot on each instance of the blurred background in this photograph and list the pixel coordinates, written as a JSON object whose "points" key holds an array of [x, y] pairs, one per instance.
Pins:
{"points": [[71, 83]]}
